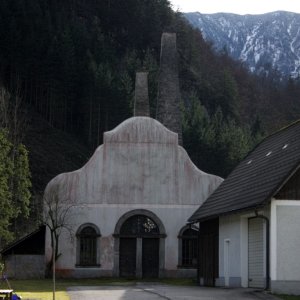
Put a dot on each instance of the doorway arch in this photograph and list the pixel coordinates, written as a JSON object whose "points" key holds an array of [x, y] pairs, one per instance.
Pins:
{"points": [[139, 245]]}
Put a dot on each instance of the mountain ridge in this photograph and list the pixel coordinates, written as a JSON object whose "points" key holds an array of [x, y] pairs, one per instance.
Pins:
{"points": [[260, 41]]}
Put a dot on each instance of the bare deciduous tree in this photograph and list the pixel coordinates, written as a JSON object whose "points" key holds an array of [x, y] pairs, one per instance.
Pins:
{"points": [[57, 219]]}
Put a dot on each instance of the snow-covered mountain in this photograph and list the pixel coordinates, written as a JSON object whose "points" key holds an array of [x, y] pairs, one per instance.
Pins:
{"points": [[271, 39]]}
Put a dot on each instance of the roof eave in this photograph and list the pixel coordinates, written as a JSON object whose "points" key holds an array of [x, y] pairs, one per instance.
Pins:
{"points": [[16, 242], [244, 209]]}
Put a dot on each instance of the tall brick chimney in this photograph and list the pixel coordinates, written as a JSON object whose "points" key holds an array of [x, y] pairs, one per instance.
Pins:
{"points": [[141, 97], [168, 99]]}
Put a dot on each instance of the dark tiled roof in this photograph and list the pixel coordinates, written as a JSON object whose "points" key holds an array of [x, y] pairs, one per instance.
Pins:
{"points": [[33, 243], [258, 177]]}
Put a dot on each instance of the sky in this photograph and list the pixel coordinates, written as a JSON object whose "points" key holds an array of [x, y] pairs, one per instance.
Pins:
{"points": [[236, 6]]}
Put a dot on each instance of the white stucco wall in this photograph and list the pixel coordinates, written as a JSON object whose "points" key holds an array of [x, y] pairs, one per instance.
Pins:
{"points": [[24, 266], [285, 245], [233, 248], [229, 249], [139, 166], [288, 242]]}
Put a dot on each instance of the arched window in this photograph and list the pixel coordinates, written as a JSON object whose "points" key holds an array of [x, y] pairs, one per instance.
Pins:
{"points": [[188, 247], [138, 226], [88, 245]]}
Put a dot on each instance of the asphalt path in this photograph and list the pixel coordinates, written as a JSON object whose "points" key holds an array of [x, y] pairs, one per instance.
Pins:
{"points": [[160, 291]]}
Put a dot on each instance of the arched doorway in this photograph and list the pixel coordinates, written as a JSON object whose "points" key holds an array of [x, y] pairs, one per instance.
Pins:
{"points": [[140, 240]]}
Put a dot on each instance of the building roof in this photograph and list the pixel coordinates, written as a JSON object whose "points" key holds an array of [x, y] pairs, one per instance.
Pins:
{"points": [[33, 243], [258, 177]]}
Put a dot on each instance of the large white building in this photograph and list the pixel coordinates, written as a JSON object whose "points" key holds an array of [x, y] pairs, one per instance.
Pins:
{"points": [[129, 206]]}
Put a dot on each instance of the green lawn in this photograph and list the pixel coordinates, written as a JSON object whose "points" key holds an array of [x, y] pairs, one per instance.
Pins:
{"points": [[42, 289]]}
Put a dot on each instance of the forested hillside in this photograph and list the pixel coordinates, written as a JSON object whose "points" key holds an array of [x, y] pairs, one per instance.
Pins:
{"points": [[73, 65]]}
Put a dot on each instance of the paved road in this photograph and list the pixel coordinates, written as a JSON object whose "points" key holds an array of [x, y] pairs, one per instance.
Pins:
{"points": [[159, 291]]}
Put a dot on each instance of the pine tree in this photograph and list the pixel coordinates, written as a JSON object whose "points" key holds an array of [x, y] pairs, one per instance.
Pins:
{"points": [[15, 178]]}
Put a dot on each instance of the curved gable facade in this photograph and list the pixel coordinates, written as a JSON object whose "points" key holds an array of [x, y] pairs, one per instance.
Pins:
{"points": [[140, 166]]}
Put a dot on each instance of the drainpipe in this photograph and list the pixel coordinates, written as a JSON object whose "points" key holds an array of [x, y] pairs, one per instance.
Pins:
{"points": [[198, 257], [267, 248]]}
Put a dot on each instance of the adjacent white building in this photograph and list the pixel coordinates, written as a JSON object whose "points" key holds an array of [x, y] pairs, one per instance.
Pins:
{"points": [[257, 210]]}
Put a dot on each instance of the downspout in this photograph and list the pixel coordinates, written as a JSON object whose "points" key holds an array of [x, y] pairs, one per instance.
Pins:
{"points": [[198, 257], [267, 248]]}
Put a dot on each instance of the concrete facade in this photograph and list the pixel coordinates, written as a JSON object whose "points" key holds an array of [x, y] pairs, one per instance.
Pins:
{"points": [[285, 245], [229, 251], [140, 166], [25, 266]]}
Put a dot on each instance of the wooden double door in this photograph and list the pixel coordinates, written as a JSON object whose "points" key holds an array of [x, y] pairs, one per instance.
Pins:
{"points": [[139, 257]]}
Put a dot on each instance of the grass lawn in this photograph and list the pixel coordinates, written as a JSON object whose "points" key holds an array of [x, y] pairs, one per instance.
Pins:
{"points": [[42, 289]]}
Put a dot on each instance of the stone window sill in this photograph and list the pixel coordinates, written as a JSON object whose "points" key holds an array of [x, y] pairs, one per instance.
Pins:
{"points": [[88, 266], [186, 267]]}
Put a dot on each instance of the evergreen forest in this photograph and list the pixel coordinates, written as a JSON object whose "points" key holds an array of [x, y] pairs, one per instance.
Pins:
{"points": [[67, 72]]}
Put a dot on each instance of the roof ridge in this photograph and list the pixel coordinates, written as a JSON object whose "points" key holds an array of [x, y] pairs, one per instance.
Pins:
{"points": [[269, 136]]}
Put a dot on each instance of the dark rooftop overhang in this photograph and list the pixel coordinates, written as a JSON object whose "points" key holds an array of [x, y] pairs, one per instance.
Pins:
{"points": [[258, 178], [33, 243]]}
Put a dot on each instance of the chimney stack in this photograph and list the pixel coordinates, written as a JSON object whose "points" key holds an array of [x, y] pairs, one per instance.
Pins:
{"points": [[141, 97], [168, 99]]}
